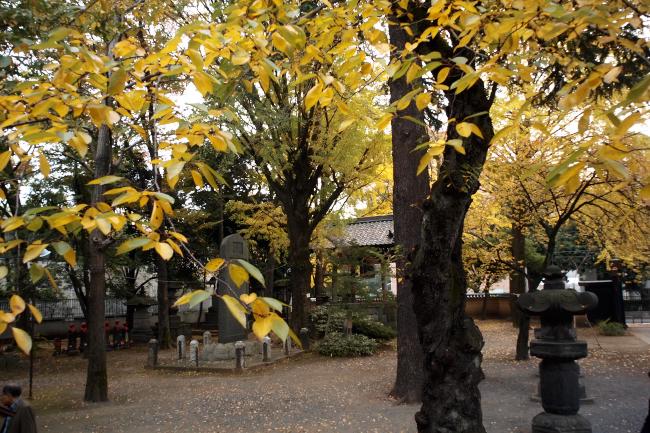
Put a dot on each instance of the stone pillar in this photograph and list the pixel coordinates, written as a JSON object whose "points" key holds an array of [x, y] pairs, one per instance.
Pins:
{"points": [[240, 348], [266, 349], [152, 359], [233, 247], [207, 338], [180, 347], [556, 344], [194, 352], [304, 338]]}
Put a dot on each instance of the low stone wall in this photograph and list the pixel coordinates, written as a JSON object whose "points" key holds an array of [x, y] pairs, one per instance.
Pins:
{"points": [[498, 306]]}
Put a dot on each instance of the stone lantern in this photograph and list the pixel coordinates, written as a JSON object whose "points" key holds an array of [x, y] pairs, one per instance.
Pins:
{"points": [[556, 344]]}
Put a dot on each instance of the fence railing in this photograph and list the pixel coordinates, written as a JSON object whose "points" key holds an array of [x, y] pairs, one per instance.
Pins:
{"points": [[70, 309]]}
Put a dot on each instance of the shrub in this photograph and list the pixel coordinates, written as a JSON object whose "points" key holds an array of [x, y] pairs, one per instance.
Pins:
{"points": [[373, 329], [326, 320], [341, 345], [611, 329]]}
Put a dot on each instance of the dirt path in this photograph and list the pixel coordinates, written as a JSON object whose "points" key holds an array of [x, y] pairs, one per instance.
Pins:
{"points": [[316, 394]]}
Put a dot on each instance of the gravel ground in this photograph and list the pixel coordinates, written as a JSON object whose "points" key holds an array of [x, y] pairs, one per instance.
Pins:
{"points": [[316, 394]]}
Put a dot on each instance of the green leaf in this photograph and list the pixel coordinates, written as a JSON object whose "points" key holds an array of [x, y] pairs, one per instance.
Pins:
{"points": [[36, 272], [132, 244], [273, 303], [638, 90], [116, 82], [165, 197], [279, 326], [252, 271], [105, 180], [197, 297]]}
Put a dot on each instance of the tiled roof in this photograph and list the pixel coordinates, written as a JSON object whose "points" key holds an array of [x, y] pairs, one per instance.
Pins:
{"points": [[369, 231]]}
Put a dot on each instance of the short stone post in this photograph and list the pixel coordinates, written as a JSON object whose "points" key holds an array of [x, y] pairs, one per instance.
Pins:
{"points": [[207, 338], [304, 338], [266, 349], [555, 343], [287, 346], [152, 360], [180, 347], [194, 352], [240, 348]]}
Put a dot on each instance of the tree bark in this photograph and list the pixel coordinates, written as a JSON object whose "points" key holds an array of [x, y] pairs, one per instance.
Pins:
{"points": [[518, 286], [164, 334], [409, 190], [300, 265], [97, 376], [452, 343]]}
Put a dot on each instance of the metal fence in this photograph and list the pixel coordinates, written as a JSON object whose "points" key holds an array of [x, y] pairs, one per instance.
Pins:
{"points": [[637, 306], [70, 309]]}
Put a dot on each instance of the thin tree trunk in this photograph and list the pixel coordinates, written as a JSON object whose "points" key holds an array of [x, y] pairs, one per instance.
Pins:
{"points": [[518, 286], [409, 190], [319, 275], [300, 275], [97, 376], [164, 334], [452, 343]]}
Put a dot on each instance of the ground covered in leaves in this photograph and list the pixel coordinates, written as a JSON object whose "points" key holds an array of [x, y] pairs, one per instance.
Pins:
{"points": [[316, 394]]}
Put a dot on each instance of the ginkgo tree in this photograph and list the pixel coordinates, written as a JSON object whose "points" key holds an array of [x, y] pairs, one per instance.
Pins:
{"points": [[100, 77], [465, 53]]}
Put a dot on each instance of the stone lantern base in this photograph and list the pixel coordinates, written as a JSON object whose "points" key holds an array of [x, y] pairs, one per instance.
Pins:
{"points": [[552, 423]]}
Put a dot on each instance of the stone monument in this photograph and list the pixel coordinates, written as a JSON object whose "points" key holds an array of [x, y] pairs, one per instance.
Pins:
{"points": [[232, 247], [142, 331], [556, 344]]}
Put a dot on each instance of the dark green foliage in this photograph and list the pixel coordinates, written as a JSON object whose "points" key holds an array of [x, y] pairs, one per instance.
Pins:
{"points": [[340, 345], [373, 329], [326, 320], [611, 329]]}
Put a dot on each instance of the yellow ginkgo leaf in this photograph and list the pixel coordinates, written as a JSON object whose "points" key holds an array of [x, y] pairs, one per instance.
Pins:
{"points": [[33, 251], [260, 308], [464, 129], [6, 317], [240, 57], [36, 313], [183, 300], [17, 305], [238, 274], [214, 264], [3, 327], [248, 298], [236, 309], [3, 271], [156, 216], [164, 250], [44, 164], [313, 95], [422, 100], [262, 326], [23, 340]]}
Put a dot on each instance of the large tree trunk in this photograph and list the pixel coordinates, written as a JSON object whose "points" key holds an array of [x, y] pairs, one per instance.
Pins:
{"points": [[164, 334], [409, 191], [97, 377], [300, 265], [452, 343]]}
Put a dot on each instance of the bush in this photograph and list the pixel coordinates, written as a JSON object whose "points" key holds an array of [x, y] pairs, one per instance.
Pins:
{"points": [[327, 320], [373, 329], [612, 329], [340, 345]]}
